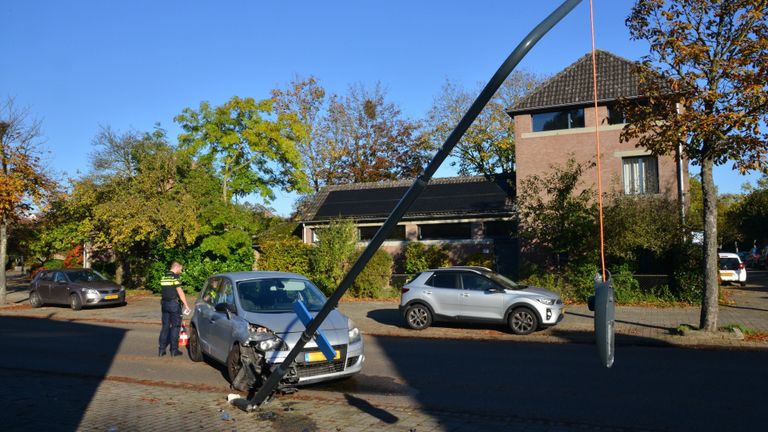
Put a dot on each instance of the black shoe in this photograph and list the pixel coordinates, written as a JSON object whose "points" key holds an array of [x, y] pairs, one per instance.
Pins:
{"points": [[161, 352], [176, 353]]}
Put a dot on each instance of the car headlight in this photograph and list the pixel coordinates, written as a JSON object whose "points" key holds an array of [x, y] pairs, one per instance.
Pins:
{"points": [[92, 294], [546, 301], [269, 344], [354, 332], [264, 339]]}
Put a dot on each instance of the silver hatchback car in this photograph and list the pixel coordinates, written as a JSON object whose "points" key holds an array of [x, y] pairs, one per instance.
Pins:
{"points": [[477, 294], [246, 321]]}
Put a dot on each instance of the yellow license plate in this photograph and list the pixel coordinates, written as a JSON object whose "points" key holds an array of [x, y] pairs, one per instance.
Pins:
{"points": [[110, 297], [318, 356], [728, 274]]}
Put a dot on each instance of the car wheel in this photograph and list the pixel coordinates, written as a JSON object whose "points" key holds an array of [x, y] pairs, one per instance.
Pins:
{"points": [[233, 368], [523, 321], [743, 284], [35, 300], [418, 317], [74, 302], [195, 351]]}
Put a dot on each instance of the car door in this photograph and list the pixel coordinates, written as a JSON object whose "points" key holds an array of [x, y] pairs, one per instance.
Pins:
{"points": [[59, 291], [480, 297], [43, 286], [203, 311], [442, 291], [220, 323]]}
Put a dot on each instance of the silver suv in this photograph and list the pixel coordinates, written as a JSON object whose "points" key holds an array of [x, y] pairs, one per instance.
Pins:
{"points": [[477, 294]]}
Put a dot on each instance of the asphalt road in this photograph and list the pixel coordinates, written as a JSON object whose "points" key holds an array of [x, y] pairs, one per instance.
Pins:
{"points": [[647, 389]]}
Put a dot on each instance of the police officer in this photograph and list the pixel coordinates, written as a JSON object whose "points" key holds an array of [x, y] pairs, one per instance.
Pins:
{"points": [[173, 298]]}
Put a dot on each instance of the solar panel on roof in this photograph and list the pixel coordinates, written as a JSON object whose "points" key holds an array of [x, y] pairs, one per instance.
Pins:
{"points": [[439, 198]]}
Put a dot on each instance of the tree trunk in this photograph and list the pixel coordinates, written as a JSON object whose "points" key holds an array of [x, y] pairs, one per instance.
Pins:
{"points": [[3, 254], [709, 300]]}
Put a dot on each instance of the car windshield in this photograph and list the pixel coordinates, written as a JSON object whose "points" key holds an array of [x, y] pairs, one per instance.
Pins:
{"points": [[85, 276], [278, 295], [504, 281]]}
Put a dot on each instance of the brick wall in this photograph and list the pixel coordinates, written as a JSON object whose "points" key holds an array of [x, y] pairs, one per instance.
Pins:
{"points": [[536, 152]]}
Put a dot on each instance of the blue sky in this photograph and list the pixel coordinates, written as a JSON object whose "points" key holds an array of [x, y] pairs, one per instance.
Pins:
{"points": [[84, 64]]}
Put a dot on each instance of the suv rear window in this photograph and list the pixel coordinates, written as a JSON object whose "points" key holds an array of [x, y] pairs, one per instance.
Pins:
{"points": [[443, 280]]}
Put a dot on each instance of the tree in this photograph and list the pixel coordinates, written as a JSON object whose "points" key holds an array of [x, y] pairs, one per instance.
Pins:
{"points": [[750, 215], [637, 223], [710, 60], [557, 223], [24, 181], [250, 152], [306, 100], [374, 141], [333, 255], [488, 147]]}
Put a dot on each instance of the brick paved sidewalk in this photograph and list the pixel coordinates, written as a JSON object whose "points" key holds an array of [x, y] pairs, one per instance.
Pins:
{"points": [[49, 402]]}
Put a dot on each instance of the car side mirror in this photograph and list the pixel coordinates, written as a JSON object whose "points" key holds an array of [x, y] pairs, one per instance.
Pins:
{"points": [[227, 308]]}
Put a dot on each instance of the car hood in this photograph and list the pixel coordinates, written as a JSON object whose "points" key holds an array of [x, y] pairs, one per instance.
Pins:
{"points": [[96, 285], [285, 324], [536, 291]]}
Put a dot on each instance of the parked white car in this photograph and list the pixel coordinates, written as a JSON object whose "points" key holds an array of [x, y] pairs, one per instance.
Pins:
{"points": [[732, 269]]}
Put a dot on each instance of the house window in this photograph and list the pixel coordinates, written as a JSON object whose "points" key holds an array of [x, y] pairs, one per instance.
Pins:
{"points": [[555, 120], [499, 229], [449, 231], [615, 115], [367, 233], [641, 175]]}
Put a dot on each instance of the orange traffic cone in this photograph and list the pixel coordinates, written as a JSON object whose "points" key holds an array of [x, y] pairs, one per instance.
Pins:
{"points": [[183, 336]]}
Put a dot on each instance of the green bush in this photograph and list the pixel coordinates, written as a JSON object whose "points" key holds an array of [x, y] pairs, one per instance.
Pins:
{"points": [[289, 255], [581, 281], [54, 264], [197, 268], [419, 257], [373, 281], [550, 281], [333, 254], [688, 274], [479, 259], [688, 286]]}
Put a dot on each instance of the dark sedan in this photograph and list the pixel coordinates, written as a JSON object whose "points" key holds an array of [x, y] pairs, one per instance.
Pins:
{"points": [[74, 287]]}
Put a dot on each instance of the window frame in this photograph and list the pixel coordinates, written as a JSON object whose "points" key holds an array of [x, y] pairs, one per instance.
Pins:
{"points": [[638, 183], [538, 125]]}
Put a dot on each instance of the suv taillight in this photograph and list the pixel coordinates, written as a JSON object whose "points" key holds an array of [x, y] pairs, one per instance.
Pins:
{"points": [[404, 290], [741, 266]]}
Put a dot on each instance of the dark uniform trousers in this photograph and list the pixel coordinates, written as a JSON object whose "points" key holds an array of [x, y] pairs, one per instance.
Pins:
{"points": [[169, 334]]}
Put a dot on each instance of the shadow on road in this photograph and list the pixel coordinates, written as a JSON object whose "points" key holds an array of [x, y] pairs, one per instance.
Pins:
{"points": [[386, 316], [51, 370], [564, 387], [744, 307], [392, 317], [633, 323], [366, 407]]}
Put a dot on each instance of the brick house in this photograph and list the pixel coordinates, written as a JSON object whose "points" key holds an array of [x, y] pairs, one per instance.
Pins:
{"points": [[556, 122], [467, 215]]}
